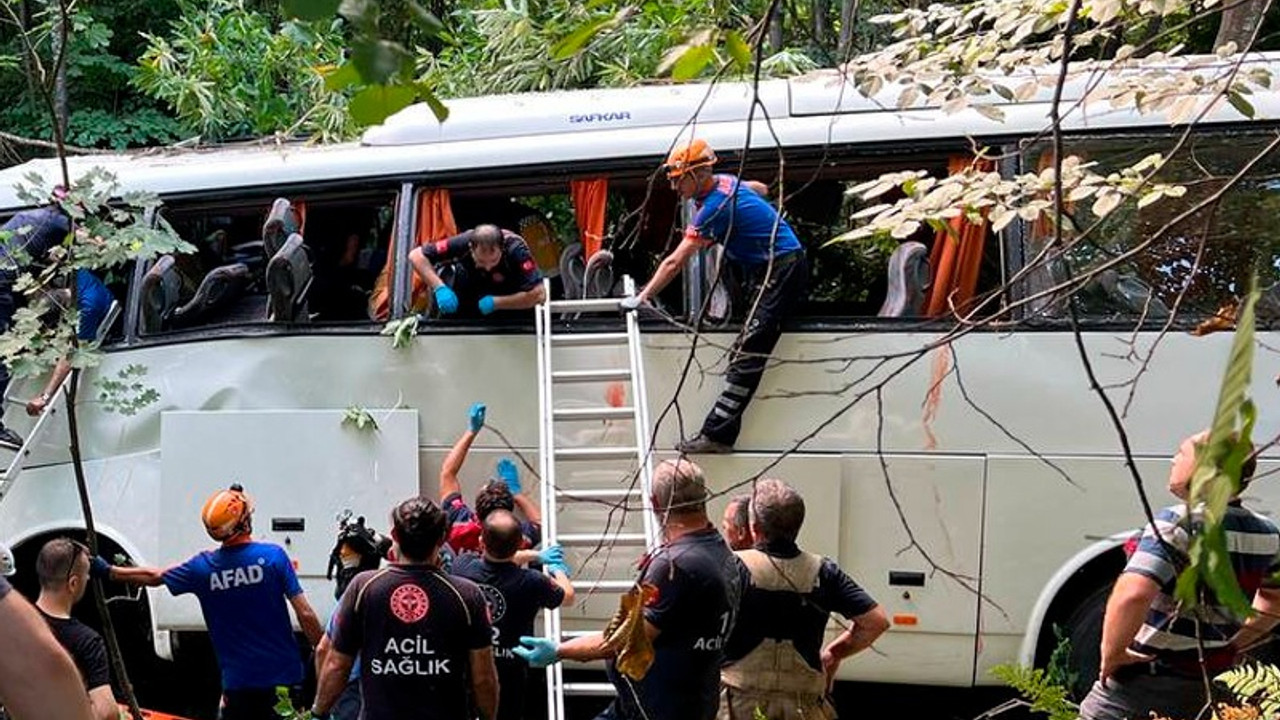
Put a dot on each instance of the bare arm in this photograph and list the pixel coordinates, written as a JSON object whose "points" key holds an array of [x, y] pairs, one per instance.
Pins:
{"points": [[670, 267], [562, 581], [524, 557], [60, 372], [453, 464], [591, 647], [520, 300], [861, 633], [484, 682], [760, 188], [333, 678], [424, 268], [1266, 605], [1126, 610], [102, 702], [323, 649], [307, 619], [531, 511], [37, 677], [146, 576]]}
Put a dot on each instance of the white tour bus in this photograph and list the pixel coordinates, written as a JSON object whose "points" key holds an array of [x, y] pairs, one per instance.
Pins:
{"points": [[997, 518]]}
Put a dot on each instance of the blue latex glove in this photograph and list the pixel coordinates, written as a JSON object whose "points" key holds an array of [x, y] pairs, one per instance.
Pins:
{"points": [[486, 305], [475, 418], [552, 555], [508, 473], [553, 568], [538, 652], [446, 300], [99, 568]]}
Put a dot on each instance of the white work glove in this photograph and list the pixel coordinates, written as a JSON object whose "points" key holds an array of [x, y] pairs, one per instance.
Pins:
{"points": [[628, 304]]}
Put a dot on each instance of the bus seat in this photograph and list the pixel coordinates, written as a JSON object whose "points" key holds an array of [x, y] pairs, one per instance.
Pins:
{"points": [[597, 277], [282, 221], [908, 280], [161, 287], [573, 271], [288, 282], [220, 288]]}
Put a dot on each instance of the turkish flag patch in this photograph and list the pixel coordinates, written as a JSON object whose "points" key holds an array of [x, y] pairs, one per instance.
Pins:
{"points": [[442, 247], [528, 265]]}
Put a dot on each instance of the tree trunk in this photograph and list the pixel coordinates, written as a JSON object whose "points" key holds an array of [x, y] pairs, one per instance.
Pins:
{"points": [[1240, 19], [848, 16], [821, 29], [775, 30], [59, 47]]}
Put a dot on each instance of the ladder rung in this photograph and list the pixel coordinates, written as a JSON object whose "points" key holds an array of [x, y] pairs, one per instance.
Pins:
{"points": [[604, 585], [609, 375], [588, 339], [598, 453], [618, 494], [601, 413], [609, 538], [589, 305], [591, 689]]}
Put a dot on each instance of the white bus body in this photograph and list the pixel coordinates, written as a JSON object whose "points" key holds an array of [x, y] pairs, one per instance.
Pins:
{"points": [[985, 547]]}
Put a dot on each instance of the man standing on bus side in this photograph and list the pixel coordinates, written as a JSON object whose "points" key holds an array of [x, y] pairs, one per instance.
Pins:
{"points": [[774, 659], [515, 596], [736, 524], [493, 269], [423, 637], [1151, 647], [242, 587], [698, 583], [25, 240], [769, 259]]}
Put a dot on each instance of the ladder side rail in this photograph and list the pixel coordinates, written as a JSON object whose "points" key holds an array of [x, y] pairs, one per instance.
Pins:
{"points": [[640, 407], [550, 617]]}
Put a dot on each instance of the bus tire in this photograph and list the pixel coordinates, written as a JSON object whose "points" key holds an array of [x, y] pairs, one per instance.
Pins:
{"points": [[1083, 629]]}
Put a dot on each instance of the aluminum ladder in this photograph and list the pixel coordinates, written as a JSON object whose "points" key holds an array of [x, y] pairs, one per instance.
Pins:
{"points": [[631, 486], [19, 461]]}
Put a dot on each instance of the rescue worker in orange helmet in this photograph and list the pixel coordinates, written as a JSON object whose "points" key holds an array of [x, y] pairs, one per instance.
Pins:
{"points": [[242, 586], [767, 257]]}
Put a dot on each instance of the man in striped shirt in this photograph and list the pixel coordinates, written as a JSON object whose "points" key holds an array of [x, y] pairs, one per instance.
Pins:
{"points": [[1151, 646]]}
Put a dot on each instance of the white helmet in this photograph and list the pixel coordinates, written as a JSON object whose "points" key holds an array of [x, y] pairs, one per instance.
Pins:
{"points": [[7, 565]]}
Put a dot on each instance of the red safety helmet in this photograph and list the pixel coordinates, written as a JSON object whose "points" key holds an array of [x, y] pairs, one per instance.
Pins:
{"points": [[226, 513], [686, 156]]}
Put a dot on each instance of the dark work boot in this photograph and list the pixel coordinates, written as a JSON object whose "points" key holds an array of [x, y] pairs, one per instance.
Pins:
{"points": [[703, 445], [9, 439]]}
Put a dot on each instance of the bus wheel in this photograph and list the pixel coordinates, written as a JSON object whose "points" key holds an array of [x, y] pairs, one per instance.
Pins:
{"points": [[1083, 630]]}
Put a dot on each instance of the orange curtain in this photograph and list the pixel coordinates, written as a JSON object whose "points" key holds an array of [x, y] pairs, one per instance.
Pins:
{"points": [[589, 199], [300, 214], [956, 256], [435, 222]]}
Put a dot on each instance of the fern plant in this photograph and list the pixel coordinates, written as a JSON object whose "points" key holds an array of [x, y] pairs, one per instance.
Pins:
{"points": [[1043, 694], [1258, 685]]}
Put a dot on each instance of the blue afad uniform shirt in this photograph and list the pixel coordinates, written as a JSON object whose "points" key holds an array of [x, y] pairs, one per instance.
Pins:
{"points": [[699, 583], [92, 300], [744, 226], [243, 590]]}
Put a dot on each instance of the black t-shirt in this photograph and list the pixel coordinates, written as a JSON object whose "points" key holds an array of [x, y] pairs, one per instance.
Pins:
{"points": [[515, 595], [85, 646], [414, 629], [517, 271], [798, 617], [699, 583]]}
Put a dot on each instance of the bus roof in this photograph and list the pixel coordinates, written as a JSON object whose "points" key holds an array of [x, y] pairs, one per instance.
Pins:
{"points": [[590, 125]]}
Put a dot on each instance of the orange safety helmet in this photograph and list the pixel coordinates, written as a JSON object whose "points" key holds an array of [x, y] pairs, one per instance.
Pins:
{"points": [[226, 513], [686, 156]]}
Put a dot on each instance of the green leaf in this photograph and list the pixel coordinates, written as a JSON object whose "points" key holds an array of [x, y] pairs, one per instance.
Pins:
{"points": [[427, 95], [342, 78], [570, 44], [1242, 106], [359, 418], [309, 9], [379, 61], [738, 49], [692, 62], [374, 103], [363, 14]]}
